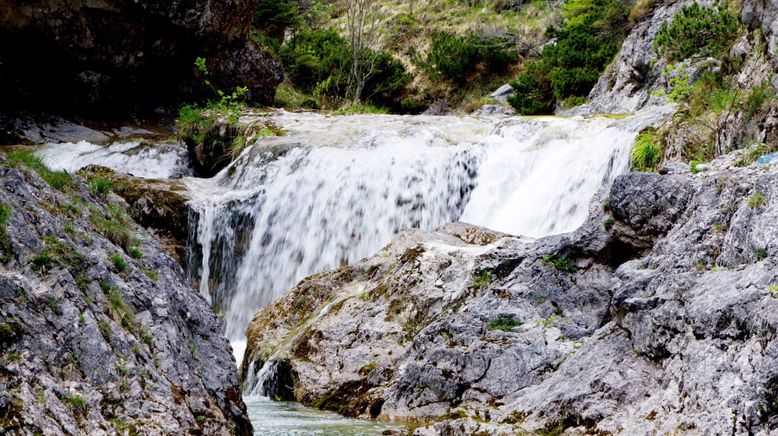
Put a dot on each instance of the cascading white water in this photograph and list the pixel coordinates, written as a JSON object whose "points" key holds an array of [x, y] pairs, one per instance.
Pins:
{"points": [[157, 160], [336, 189]]}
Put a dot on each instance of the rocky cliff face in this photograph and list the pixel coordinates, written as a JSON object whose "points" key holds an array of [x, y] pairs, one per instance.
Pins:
{"points": [[657, 315], [72, 55], [100, 332], [636, 74]]}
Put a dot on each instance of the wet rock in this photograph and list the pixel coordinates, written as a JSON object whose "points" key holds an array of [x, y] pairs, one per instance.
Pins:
{"points": [[102, 332], [491, 110], [439, 107], [656, 315]]}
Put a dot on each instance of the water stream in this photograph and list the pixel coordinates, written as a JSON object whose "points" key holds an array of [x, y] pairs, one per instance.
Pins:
{"points": [[336, 189]]}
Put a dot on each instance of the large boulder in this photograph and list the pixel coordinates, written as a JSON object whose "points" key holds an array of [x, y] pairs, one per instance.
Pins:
{"points": [[114, 54]]}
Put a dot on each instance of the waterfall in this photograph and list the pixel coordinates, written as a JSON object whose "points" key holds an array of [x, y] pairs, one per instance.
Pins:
{"points": [[336, 189], [333, 190], [142, 159]]}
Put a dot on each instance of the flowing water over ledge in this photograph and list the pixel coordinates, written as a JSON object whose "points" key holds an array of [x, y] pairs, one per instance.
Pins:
{"points": [[336, 189]]}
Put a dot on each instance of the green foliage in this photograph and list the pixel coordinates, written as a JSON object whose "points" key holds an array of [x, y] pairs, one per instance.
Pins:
{"points": [[773, 290], [505, 323], [567, 70], [99, 187], [758, 99], [534, 94], [455, 57], [75, 402], [42, 261], [317, 61], [559, 262], [483, 279], [59, 180], [752, 153], [274, 17], [135, 253], [59, 253], [118, 262], [153, 275], [756, 200], [646, 153], [116, 230], [193, 121], [5, 246], [608, 223], [697, 31], [119, 310]]}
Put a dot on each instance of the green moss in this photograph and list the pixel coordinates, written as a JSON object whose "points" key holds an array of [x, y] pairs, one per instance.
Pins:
{"points": [[773, 290], [135, 253], [116, 231], [119, 310], [608, 223]]}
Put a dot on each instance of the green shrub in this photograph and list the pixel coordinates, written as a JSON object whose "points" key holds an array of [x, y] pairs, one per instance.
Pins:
{"points": [[559, 262], [60, 180], [274, 17], [697, 31], [318, 61], [773, 290], [646, 153], [505, 323], [455, 57], [99, 187], [567, 70], [118, 261], [533, 92], [608, 223]]}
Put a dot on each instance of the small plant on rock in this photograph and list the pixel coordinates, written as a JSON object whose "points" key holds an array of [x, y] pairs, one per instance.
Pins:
{"points": [[99, 187], [505, 323], [756, 200], [559, 262], [646, 153], [773, 290], [118, 262], [483, 279]]}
